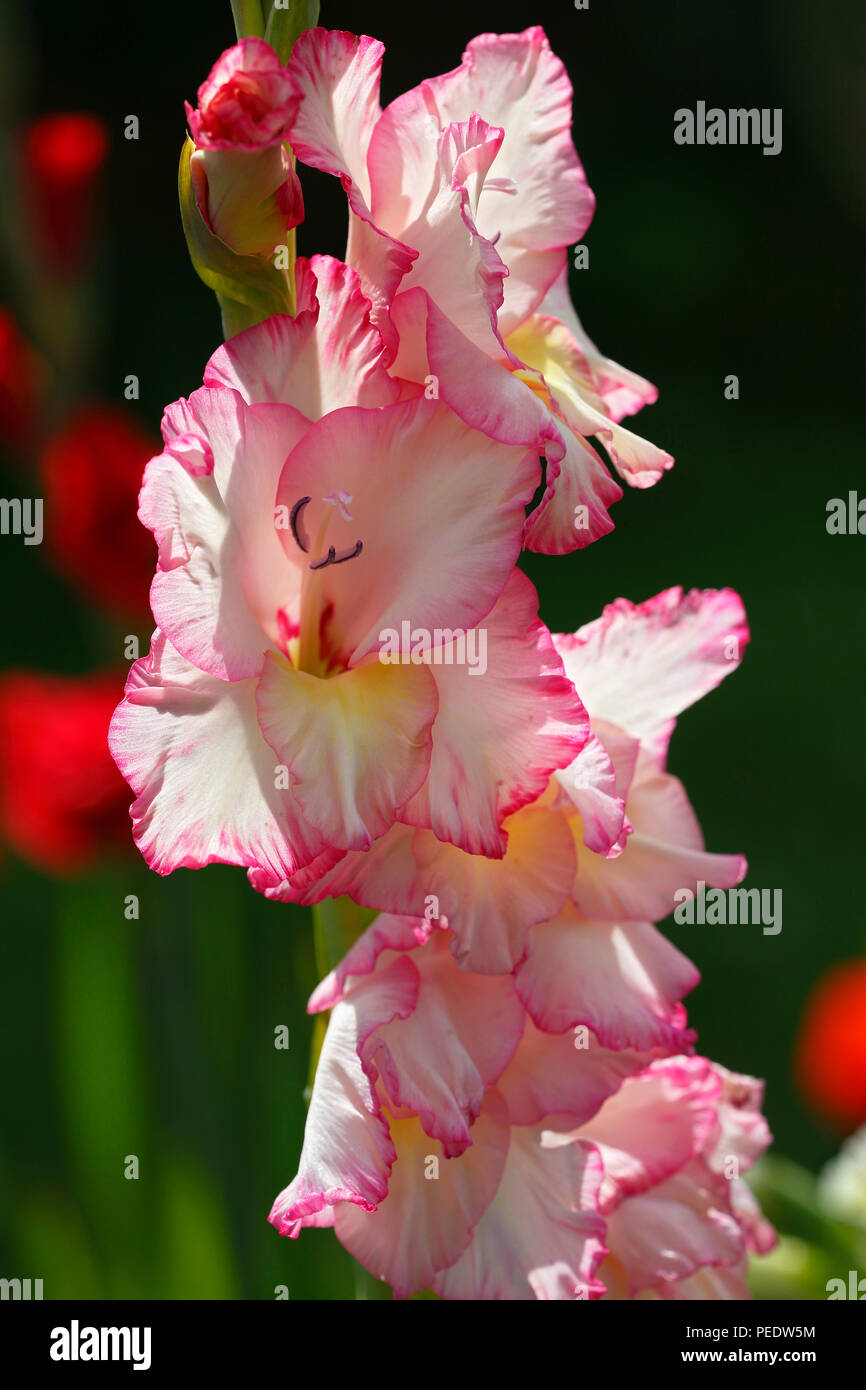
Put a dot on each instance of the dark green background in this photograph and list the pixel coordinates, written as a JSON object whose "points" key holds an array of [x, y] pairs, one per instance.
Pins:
{"points": [[156, 1037]]}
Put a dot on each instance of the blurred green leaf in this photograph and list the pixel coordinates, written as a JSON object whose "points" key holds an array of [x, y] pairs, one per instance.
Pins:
{"points": [[99, 1059], [51, 1244], [196, 1256]]}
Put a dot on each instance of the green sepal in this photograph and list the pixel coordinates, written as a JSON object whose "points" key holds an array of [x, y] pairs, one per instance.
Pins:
{"points": [[284, 26], [248, 288], [248, 17]]}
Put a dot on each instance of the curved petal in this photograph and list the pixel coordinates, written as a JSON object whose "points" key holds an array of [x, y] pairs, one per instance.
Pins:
{"points": [[460, 1037], [545, 345], [383, 878], [631, 981], [664, 855], [347, 1153], [426, 1221], [557, 1074], [504, 724], [337, 77], [190, 746], [461, 270], [540, 201], [388, 932], [357, 745], [591, 785], [502, 404], [685, 644], [324, 359], [671, 1231], [491, 904], [222, 574], [653, 1126], [542, 1236], [742, 1132], [438, 545]]}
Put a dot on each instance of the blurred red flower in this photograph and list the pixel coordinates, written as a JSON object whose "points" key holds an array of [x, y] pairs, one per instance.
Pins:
{"points": [[62, 158], [831, 1049], [62, 800], [19, 386], [91, 476]]}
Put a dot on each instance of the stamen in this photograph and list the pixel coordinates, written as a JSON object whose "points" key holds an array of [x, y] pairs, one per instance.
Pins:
{"points": [[328, 560], [332, 558], [352, 554], [302, 540]]}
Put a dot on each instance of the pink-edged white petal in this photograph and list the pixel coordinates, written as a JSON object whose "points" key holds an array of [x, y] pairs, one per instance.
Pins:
{"points": [[459, 1039], [356, 746], [337, 77], [631, 981], [206, 783], [348, 1152], [325, 358], [387, 932], [516, 408], [653, 1126], [222, 575], [674, 1230], [461, 271], [491, 904], [383, 878], [539, 201], [435, 554], [426, 1222], [541, 1236], [662, 857], [597, 784], [557, 1074], [579, 491], [685, 644], [546, 346], [504, 724], [742, 1131]]}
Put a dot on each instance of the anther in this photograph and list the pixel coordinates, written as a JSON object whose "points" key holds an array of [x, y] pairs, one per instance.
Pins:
{"points": [[296, 522], [332, 558]]}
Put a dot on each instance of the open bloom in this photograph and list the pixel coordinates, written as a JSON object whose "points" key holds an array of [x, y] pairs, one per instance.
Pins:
{"points": [[454, 1145], [599, 854], [301, 511], [243, 175], [464, 195]]}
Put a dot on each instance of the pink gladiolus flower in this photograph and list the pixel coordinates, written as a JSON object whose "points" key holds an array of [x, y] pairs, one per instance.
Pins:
{"points": [[244, 179], [464, 196], [301, 512], [604, 846], [524, 1163]]}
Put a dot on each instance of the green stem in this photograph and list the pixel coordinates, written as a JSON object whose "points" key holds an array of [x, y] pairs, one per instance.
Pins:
{"points": [[249, 20], [337, 924]]}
